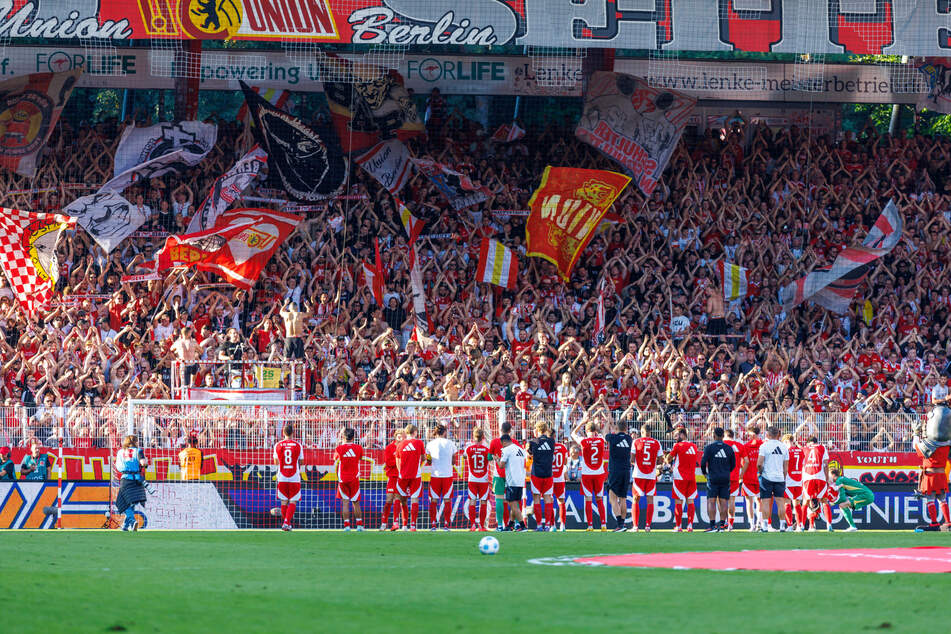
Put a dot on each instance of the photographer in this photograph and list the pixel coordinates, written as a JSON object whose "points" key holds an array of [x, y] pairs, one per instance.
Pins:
{"points": [[37, 464], [7, 468]]}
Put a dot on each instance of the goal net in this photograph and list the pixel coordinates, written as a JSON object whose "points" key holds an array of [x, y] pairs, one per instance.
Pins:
{"points": [[237, 485]]}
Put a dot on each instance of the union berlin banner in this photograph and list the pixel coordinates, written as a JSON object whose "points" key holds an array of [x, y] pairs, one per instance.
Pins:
{"points": [[566, 209], [860, 27], [633, 123], [30, 106], [237, 248]]}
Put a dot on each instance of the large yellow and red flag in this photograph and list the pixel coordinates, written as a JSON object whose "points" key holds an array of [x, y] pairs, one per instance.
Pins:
{"points": [[566, 209]]}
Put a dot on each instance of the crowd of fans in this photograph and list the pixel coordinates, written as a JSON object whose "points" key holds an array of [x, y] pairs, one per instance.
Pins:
{"points": [[780, 202]]}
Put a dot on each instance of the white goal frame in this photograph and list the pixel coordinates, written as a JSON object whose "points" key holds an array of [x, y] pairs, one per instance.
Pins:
{"points": [[238, 487]]}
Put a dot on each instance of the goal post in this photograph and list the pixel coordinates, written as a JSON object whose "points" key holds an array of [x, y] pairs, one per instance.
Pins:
{"points": [[237, 486]]}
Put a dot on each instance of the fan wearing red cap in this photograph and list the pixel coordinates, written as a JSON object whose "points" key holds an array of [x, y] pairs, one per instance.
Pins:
{"points": [[7, 468]]}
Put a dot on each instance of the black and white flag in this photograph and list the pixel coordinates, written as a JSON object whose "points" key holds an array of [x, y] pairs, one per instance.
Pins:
{"points": [[227, 189], [140, 145], [107, 217], [307, 163]]}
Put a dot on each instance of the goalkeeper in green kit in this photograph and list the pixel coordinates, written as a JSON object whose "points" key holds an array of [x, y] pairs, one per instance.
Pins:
{"points": [[852, 495]]}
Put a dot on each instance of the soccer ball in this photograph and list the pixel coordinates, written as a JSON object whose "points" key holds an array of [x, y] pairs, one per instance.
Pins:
{"points": [[488, 545]]}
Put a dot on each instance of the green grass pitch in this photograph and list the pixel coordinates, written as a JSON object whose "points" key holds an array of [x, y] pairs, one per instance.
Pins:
{"points": [[321, 581]]}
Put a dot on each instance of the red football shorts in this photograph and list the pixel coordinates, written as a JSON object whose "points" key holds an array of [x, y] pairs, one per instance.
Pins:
{"points": [[751, 488], [735, 489], [541, 486], [644, 486], [478, 491], [288, 491], [684, 489], [933, 484], [440, 487], [391, 484], [793, 491], [558, 489], [815, 489], [409, 487], [349, 490], [592, 484]]}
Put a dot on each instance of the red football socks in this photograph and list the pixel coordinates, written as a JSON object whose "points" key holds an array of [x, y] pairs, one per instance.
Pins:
{"points": [[678, 514], [289, 513], [483, 511], [650, 515], [588, 514], [433, 508], [691, 510]]}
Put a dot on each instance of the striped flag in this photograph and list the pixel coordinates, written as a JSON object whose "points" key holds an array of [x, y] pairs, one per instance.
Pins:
{"points": [[834, 286], [733, 280], [375, 276], [497, 264], [274, 96], [412, 224]]}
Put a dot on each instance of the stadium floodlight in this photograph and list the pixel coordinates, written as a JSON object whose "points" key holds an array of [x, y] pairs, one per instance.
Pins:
{"points": [[238, 487]]}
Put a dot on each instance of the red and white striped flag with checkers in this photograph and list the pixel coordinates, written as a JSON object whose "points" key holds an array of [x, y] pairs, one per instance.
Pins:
{"points": [[497, 264], [28, 254]]}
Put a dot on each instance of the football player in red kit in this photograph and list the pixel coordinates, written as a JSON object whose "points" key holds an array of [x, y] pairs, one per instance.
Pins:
{"points": [[593, 471], [815, 482], [684, 457], [347, 459], [288, 456], [409, 460], [794, 485], [392, 475], [476, 458], [559, 461], [735, 490], [645, 456]]}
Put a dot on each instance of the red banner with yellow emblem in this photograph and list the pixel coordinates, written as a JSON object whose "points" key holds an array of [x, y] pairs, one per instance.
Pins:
{"points": [[566, 209], [237, 248]]}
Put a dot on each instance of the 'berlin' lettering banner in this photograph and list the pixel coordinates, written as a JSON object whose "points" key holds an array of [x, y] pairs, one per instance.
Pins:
{"points": [[858, 27], [633, 123], [566, 209]]}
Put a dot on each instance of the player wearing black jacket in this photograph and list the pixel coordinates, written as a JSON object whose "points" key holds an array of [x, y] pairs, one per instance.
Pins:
{"points": [[717, 464]]}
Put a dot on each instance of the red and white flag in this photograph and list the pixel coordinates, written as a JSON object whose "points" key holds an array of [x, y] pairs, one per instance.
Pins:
{"points": [[375, 276], [237, 248], [508, 133], [28, 254], [497, 264], [834, 286]]}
